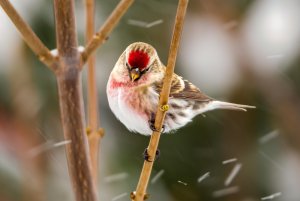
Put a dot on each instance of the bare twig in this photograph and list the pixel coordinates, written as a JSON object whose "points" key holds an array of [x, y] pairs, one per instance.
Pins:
{"points": [[93, 117], [140, 193], [102, 34], [71, 102], [29, 36], [143, 24], [67, 67]]}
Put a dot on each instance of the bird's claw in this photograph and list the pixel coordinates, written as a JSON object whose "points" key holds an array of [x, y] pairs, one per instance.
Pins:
{"points": [[133, 195], [152, 125], [147, 156]]}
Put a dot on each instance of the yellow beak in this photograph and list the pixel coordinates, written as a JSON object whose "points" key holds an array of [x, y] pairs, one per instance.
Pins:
{"points": [[134, 75]]}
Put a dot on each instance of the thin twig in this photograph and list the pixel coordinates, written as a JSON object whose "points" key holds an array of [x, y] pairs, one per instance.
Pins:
{"points": [[140, 193], [29, 36], [102, 34], [93, 117], [71, 102]]}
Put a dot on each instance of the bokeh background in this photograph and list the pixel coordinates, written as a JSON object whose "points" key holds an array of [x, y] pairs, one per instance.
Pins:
{"points": [[243, 51]]}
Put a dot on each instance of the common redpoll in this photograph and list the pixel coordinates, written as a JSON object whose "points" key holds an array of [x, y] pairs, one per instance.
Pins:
{"points": [[133, 92]]}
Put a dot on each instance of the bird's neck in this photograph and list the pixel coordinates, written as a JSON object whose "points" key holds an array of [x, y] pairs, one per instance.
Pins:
{"points": [[116, 83]]}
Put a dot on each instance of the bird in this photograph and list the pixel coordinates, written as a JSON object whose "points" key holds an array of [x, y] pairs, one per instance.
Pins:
{"points": [[133, 91]]}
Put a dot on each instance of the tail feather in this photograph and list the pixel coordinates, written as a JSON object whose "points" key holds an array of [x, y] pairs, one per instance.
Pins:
{"points": [[230, 106]]}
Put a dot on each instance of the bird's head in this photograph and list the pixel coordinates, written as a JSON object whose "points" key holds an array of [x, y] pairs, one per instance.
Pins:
{"points": [[139, 64], [139, 58]]}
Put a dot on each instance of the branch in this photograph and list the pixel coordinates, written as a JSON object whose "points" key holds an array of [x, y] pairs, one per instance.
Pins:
{"points": [[71, 102], [101, 36], [93, 118], [140, 193], [29, 36]]}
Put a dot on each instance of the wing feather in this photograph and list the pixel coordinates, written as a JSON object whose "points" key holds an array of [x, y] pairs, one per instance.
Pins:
{"points": [[183, 89]]}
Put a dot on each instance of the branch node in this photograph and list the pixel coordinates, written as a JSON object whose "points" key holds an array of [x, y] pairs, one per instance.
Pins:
{"points": [[146, 196], [164, 108], [132, 195], [80, 49], [88, 131], [54, 52], [42, 58], [97, 36], [101, 132]]}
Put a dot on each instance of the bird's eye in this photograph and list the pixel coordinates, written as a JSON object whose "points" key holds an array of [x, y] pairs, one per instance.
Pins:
{"points": [[147, 69], [127, 65]]}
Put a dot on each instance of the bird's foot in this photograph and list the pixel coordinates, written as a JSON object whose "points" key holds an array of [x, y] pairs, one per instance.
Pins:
{"points": [[133, 195], [152, 125], [147, 156]]}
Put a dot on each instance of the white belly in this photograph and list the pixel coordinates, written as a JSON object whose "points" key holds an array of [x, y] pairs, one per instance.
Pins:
{"points": [[129, 117]]}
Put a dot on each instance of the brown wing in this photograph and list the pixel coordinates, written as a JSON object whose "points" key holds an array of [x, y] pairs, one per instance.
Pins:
{"points": [[183, 89]]}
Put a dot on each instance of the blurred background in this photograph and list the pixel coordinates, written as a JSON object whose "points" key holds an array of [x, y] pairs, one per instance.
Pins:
{"points": [[242, 51]]}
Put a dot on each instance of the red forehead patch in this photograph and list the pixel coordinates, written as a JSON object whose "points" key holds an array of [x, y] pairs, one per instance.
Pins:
{"points": [[138, 59]]}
